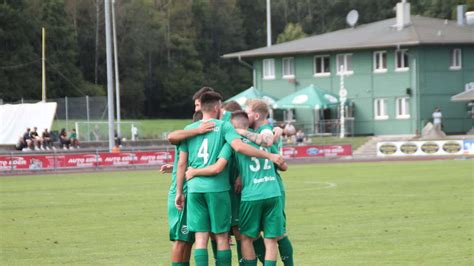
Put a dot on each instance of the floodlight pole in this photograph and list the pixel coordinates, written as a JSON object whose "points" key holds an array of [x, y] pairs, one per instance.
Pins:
{"points": [[269, 24], [342, 99], [117, 84], [110, 81], [43, 65]]}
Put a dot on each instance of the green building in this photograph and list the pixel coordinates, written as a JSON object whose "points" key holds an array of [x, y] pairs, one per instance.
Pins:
{"points": [[396, 71]]}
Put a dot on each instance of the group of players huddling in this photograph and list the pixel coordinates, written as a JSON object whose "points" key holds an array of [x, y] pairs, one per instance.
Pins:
{"points": [[225, 180]]}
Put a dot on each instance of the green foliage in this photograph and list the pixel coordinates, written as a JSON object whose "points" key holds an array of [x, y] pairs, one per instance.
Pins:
{"points": [[167, 49], [382, 213], [292, 32]]}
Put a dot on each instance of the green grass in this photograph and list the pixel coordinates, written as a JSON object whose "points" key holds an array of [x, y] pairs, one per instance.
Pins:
{"points": [[147, 128], [394, 213]]}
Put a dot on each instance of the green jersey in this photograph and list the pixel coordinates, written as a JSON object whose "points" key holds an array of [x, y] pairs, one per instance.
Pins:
{"points": [[173, 173], [226, 116], [204, 150], [258, 175], [276, 148]]}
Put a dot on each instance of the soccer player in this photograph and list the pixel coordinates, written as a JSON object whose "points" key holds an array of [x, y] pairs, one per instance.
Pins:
{"points": [[178, 230], [208, 197], [257, 111], [260, 207]]}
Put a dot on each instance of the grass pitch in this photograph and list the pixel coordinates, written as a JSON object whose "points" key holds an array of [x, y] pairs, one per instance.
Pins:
{"points": [[338, 214]]}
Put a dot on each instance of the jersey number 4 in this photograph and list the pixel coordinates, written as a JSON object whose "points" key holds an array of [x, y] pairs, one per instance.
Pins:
{"points": [[203, 151]]}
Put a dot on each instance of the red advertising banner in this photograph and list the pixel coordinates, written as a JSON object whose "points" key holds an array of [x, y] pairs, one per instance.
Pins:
{"points": [[85, 160], [317, 151]]}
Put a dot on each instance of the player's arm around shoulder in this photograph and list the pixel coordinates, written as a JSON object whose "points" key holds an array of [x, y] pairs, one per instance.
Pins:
{"points": [[178, 136]]}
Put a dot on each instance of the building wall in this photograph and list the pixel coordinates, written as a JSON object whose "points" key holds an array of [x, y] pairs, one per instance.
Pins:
{"points": [[438, 83], [429, 79]]}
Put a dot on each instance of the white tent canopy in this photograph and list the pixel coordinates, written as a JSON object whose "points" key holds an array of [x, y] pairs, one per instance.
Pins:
{"points": [[15, 118]]}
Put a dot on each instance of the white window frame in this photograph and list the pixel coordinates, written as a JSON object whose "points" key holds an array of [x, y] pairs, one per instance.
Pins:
{"points": [[402, 69], [456, 53], [384, 114], [322, 74], [345, 71], [404, 112], [271, 75], [378, 56], [292, 65]]}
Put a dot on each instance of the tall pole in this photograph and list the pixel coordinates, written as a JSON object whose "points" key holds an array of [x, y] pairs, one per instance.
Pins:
{"points": [[269, 24], [342, 99], [110, 78], [43, 65], [117, 84]]}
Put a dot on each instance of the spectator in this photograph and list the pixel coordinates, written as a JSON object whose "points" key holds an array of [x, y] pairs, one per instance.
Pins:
{"points": [[74, 142], [437, 116], [117, 139], [47, 140], [300, 138], [21, 144], [27, 139], [289, 130], [96, 133], [64, 140], [37, 140], [134, 130], [116, 148]]}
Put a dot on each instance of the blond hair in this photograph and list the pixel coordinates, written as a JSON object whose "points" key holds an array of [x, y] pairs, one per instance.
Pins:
{"points": [[258, 106]]}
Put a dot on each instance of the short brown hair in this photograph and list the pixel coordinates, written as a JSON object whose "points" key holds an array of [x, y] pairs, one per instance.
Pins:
{"points": [[209, 100], [201, 91], [232, 106], [197, 116], [258, 106], [241, 118]]}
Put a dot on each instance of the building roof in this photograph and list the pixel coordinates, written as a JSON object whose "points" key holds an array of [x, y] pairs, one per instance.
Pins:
{"points": [[422, 30]]}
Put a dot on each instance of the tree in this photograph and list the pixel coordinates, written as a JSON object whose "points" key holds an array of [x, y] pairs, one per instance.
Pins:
{"points": [[292, 32]]}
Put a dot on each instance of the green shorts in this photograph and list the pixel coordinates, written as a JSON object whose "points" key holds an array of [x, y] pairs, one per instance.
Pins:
{"points": [[261, 215], [235, 205], [283, 205], [177, 222], [209, 212]]}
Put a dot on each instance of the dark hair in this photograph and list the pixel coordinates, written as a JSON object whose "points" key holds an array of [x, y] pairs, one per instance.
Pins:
{"points": [[209, 100], [232, 106], [201, 91], [197, 116]]}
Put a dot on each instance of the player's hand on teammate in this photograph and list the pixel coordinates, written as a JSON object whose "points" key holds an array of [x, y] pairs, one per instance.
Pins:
{"points": [[277, 159], [190, 173], [166, 168], [179, 201], [238, 185], [206, 127]]}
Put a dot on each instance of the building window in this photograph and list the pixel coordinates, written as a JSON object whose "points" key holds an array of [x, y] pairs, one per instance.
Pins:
{"points": [[380, 109], [268, 68], [401, 60], [403, 108], [288, 67], [321, 65], [380, 62], [456, 59], [344, 61]]}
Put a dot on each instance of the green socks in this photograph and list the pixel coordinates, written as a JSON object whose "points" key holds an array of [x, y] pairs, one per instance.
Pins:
{"points": [[201, 257], [245, 262], [239, 250], [180, 264], [224, 258], [270, 263], [259, 247], [286, 251], [186, 263]]}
